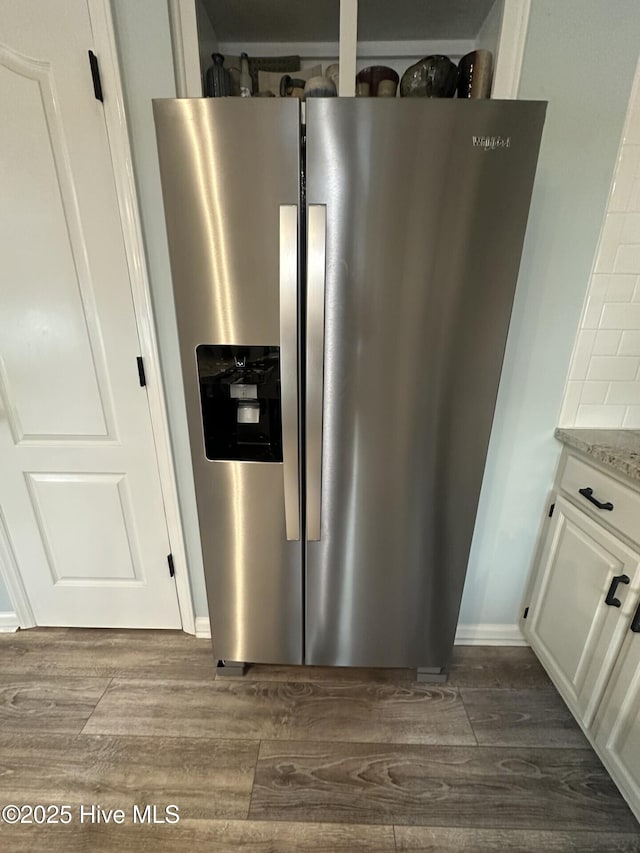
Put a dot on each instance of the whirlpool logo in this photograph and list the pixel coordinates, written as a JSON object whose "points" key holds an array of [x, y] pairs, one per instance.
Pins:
{"points": [[491, 143]]}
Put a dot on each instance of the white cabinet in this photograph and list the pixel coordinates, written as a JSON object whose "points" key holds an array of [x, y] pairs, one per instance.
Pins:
{"points": [[583, 611], [617, 726], [570, 625]]}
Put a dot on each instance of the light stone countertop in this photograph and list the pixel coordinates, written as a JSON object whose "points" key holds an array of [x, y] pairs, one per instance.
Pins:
{"points": [[617, 448]]}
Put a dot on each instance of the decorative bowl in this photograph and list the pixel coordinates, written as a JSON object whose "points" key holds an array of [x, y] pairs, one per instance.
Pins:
{"points": [[432, 77]]}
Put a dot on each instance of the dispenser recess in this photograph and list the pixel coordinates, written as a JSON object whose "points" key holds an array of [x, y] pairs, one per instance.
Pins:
{"points": [[240, 402]]}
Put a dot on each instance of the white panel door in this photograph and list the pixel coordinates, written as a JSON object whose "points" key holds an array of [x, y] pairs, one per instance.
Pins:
{"points": [[570, 626], [80, 502], [618, 721]]}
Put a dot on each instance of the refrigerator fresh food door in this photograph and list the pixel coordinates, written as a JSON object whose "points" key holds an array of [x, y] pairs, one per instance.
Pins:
{"points": [[230, 172], [416, 218]]}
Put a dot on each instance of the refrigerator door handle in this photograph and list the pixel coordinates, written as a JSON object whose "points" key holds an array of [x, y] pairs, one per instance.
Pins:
{"points": [[289, 366], [316, 278]]}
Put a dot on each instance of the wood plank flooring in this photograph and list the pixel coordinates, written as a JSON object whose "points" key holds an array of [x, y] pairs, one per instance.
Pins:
{"points": [[323, 711], [440, 786], [528, 717], [293, 758], [48, 704], [209, 779]]}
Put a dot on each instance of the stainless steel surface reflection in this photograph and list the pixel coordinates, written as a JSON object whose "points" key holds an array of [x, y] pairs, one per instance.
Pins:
{"points": [[424, 235], [227, 166]]}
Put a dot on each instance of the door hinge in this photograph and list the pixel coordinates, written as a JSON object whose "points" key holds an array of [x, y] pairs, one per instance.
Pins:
{"points": [[551, 509], [172, 570], [141, 374], [95, 75], [526, 613]]}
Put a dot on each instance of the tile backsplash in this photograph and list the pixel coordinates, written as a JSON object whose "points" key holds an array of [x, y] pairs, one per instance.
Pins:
{"points": [[603, 389]]}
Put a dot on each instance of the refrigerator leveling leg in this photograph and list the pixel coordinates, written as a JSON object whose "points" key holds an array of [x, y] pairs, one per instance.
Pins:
{"points": [[433, 674], [230, 668]]}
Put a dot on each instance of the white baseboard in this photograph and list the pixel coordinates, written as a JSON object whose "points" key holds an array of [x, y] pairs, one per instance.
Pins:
{"points": [[484, 634], [203, 629], [8, 622], [489, 634]]}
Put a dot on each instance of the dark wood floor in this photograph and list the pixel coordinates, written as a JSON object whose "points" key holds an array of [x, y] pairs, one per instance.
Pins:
{"points": [[294, 759]]}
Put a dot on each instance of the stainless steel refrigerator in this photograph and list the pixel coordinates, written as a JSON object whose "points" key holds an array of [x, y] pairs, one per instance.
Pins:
{"points": [[343, 289]]}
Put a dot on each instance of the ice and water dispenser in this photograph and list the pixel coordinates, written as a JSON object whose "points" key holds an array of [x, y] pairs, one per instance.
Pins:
{"points": [[240, 398]]}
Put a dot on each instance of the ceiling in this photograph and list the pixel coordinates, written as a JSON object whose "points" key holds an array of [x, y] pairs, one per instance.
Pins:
{"points": [[318, 20]]}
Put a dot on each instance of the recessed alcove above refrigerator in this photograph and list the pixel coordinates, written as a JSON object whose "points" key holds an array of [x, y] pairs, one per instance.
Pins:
{"points": [[355, 33]]}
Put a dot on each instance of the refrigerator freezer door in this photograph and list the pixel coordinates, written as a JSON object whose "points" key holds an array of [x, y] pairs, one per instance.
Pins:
{"points": [[426, 206], [230, 172]]}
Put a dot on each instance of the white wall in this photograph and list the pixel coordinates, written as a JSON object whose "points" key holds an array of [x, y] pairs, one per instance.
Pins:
{"points": [[581, 58], [604, 380], [146, 65]]}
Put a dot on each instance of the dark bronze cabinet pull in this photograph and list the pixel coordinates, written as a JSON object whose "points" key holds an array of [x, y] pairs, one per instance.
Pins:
{"points": [[611, 599], [588, 494], [635, 622]]}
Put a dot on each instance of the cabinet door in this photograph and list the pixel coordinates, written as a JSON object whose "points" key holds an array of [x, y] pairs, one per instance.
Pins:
{"points": [[618, 722], [570, 626]]}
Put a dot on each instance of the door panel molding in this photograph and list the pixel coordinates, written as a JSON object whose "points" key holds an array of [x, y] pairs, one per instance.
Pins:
{"points": [[78, 511], [39, 72], [118, 136]]}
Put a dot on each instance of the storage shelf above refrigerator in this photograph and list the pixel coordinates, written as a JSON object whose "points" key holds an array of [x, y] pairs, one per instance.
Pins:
{"points": [[374, 32]]}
